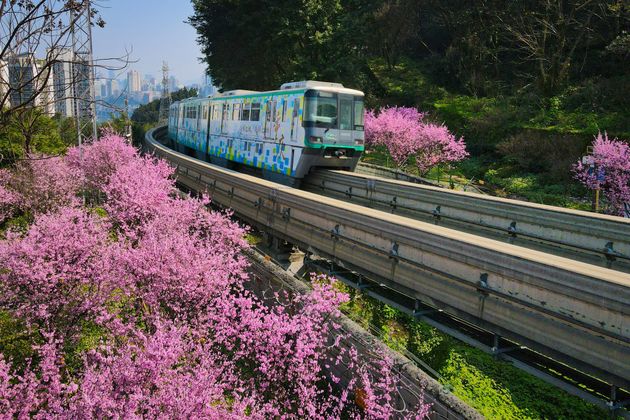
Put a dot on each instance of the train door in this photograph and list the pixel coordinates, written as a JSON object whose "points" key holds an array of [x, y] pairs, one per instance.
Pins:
{"points": [[180, 123], [345, 119], [224, 115], [270, 119], [208, 114], [295, 120]]}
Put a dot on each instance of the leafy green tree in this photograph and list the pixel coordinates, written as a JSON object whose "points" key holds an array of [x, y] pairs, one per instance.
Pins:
{"points": [[261, 44], [149, 113], [30, 131]]}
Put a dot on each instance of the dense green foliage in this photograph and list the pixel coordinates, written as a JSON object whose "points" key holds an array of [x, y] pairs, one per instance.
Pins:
{"points": [[495, 388], [30, 131], [146, 116], [149, 113], [497, 73], [494, 47]]}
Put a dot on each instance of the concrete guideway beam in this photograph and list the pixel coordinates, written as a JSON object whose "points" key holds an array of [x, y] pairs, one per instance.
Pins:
{"points": [[604, 236], [574, 312]]}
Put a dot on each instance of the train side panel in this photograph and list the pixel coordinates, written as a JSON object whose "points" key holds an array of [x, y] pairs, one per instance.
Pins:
{"points": [[266, 130], [262, 131]]}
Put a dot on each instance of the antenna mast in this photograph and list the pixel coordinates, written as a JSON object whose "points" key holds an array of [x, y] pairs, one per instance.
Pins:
{"points": [[83, 71], [165, 100]]}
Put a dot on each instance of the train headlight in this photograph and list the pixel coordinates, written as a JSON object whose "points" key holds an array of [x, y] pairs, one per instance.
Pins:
{"points": [[358, 142], [314, 139]]}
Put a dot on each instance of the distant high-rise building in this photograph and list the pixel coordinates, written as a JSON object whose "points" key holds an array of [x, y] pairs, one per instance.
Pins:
{"points": [[63, 83], [172, 81], [27, 85], [114, 87], [133, 81], [45, 82], [100, 88]]}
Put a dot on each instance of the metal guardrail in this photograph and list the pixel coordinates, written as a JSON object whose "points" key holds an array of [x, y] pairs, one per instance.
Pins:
{"points": [[588, 237], [576, 313]]}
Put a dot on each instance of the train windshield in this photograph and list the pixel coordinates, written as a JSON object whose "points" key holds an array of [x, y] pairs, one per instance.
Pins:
{"points": [[320, 109], [327, 110]]}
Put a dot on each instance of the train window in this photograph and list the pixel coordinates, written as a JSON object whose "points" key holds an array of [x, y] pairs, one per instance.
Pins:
{"points": [[320, 109], [359, 113], [345, 114], [284, 109], [246, 111], [236, 112], [296, 108], [205, 112], [224, 116], [255, 114], [271, 109]]}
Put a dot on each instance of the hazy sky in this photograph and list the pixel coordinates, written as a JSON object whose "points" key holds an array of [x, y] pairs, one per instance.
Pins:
{"points": [[156, 31]]}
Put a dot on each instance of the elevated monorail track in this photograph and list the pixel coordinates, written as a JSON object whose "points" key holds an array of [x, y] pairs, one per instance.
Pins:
{"points": [[573, 312], [592, 238]]}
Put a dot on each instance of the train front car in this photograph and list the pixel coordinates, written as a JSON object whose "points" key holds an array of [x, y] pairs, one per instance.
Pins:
{"points": [[332, 118]]}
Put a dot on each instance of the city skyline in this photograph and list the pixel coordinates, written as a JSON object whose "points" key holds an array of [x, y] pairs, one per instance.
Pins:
{"points": [[161, 35]]}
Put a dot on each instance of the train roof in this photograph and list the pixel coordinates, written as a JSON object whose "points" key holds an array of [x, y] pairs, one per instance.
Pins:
{"points": [[289, 87]]}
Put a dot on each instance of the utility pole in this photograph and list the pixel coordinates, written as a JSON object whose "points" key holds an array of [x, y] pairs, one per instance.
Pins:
{"points": [[83, 72], [165, 100]]}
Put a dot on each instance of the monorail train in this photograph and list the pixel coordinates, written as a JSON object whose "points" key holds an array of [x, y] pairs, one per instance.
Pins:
{"points": [[284, 132]]}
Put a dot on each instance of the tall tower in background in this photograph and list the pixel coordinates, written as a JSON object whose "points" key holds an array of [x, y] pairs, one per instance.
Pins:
{"points": [[62, 83], [83, 72], [165, 100], [133, 81]]}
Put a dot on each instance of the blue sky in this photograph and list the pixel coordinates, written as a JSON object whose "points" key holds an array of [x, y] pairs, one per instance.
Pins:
{"points": [[156, 31]]}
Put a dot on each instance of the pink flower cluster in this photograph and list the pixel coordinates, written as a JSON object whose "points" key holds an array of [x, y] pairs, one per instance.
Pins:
{"points": [[610, 172], [162, 279], [405, 134]]}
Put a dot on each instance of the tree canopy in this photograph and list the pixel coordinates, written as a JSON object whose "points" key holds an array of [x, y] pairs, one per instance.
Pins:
{"points": [[481, 49]]}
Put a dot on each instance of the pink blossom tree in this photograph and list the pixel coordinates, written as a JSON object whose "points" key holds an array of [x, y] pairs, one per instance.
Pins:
{"points": [[610, 172], [38, 186], [164, 280], [406, 135], [8, 199]]}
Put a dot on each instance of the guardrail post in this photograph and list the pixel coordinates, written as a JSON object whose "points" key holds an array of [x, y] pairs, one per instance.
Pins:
{"points": [[610, 254], [512, 231], [393, 204], [286, 214], [437, 215], [334, 232], [393, 253]]}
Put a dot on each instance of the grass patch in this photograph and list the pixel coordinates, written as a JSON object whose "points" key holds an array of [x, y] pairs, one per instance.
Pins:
{"points": [[495, 388]]}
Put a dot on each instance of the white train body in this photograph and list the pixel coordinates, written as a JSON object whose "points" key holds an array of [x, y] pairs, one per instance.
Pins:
{"points": [[285, 132]]}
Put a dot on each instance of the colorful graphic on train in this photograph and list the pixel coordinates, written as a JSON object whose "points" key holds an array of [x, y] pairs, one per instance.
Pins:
{"points": [[286, 132]]}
